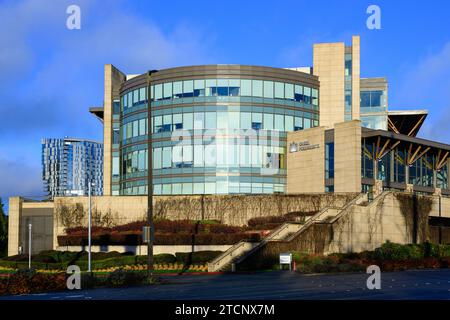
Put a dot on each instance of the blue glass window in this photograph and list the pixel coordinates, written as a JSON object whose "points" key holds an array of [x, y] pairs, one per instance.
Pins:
{"points": [[188, 88], [298, 93], [329, 160], [365, 99], [199, 88]]}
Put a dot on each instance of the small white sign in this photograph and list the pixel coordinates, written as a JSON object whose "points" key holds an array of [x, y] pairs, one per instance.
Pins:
{"points": [[285, 258]]}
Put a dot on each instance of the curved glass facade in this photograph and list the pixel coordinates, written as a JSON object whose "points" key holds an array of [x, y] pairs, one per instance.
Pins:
{"points": [[212, 136]]}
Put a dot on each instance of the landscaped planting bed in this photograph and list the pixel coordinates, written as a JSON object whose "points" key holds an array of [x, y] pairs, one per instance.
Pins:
{"points": [[59, 261], [167, 232], [389, 257]]}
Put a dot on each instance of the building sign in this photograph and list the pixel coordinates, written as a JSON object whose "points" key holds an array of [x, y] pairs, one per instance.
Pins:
{"points": [[302, 146], [286, 258]]}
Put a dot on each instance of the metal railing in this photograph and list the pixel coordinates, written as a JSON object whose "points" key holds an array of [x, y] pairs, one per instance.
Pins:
{"points": [[233, 252]]}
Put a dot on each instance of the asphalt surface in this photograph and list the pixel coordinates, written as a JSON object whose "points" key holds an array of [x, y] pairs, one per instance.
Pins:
{"points": [[284, 285]]}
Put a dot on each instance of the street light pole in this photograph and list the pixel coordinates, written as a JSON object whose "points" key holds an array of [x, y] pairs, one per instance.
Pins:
{"points": [[89, 227], [29, 245], [149, 181]]}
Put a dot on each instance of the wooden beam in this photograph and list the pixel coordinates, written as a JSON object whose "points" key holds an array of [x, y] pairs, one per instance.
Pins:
{"points": [[442, 162], [409, 154], [390, 149], [392, 126], [417, 124], [378, 147], [412, 159], [422, 153], [368, 154], [382, 149], [438, 159]]}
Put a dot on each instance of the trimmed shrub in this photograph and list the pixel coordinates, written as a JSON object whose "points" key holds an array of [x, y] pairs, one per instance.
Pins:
{"points": [[271, 222], [397, 252], [196, 257], [28, 281], [222, 228], [89, 281], [120, 278], [3, 286], [266, 226], [162, 239], [258, 221], [164, 258], [48, 282], [161, 226]]}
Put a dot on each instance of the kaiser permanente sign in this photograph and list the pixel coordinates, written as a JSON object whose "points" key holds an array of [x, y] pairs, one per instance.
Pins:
{"points": [[302, 146]]}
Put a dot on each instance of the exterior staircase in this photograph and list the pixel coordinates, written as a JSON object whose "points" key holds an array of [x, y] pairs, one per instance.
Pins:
{"points": [[326, 215], [225, 261], [287, 232]]}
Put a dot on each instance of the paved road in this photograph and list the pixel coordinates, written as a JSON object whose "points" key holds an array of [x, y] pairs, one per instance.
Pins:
{"points": [[422, 284]]}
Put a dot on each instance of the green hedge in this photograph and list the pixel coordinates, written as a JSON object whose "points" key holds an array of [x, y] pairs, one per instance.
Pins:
{"points": [[401, 252], [217, 236], [102, 260], [197, 257]]}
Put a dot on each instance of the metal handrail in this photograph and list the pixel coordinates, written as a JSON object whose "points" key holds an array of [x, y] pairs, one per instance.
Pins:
{"points": [[274, 233], [228, 252], [267, 239]]}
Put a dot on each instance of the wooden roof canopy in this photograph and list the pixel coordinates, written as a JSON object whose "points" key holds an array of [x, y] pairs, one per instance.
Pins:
{"points": [[406, 122], [385, 141]]}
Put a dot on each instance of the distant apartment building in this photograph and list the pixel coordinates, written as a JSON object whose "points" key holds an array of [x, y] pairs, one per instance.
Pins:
{"points": [[69, 164]]}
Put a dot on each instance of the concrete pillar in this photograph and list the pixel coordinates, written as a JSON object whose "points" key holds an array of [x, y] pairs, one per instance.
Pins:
{"points": [[113, 79], [356, 77], [15, 210], [347, 156], [329, 66]]}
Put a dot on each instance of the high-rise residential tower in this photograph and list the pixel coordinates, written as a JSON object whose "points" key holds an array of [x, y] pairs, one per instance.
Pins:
{"points": [[69, 164]]}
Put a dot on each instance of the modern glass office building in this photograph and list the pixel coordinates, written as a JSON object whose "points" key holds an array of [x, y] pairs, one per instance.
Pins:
{"points": [[217, 129], [69, 164], [222, 129]]}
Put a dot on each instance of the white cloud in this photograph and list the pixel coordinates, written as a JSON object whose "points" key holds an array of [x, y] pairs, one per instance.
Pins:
{"points": [[427, 86], [54, 74], [73, 76], [17, 177]]}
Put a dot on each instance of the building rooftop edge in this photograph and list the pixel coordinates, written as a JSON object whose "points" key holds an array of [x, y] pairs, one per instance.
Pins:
{"points": [[74, 140]]}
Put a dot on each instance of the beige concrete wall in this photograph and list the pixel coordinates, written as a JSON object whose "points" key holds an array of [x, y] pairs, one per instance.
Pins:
{"points": [[229, 209], [306, 168], [347, 156], [368, 226], [113, 79], [356, 75], [122, 209], [39, 215], [329, 66], [15, 207]]}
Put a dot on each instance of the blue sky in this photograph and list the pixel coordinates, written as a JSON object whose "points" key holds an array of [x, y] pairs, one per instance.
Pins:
{"points": [[51, 75]]}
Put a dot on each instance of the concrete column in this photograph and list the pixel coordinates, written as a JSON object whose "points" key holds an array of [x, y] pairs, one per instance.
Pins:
{"points": [[347, 156], [406, 172], [329, 66], [15, 210], [113, 79], [356, 77]]}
